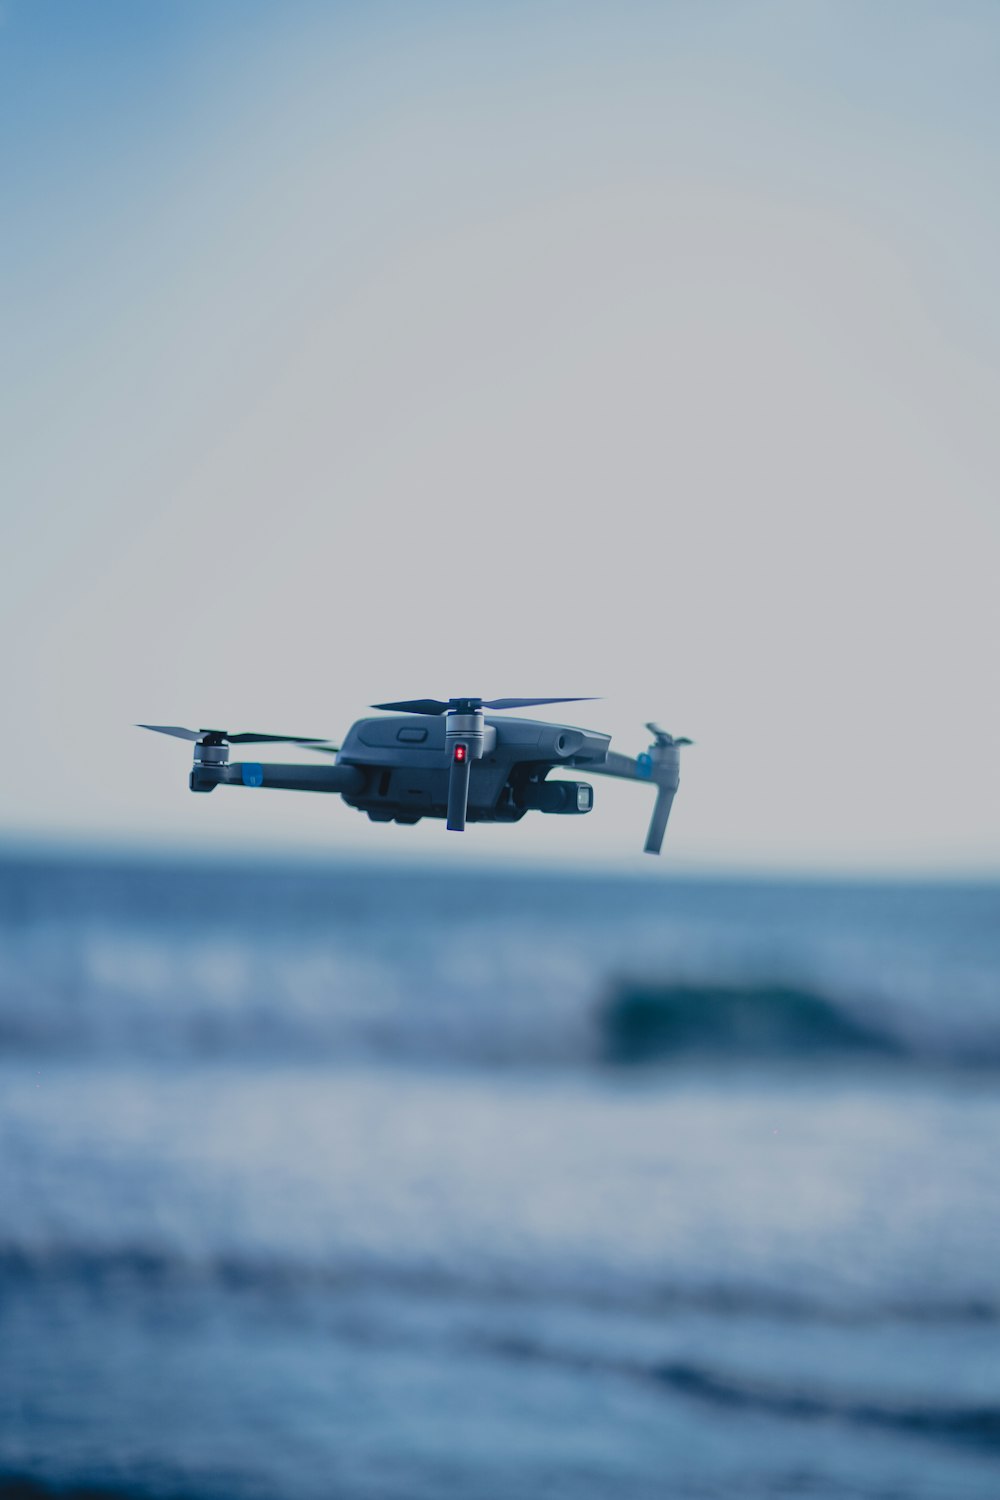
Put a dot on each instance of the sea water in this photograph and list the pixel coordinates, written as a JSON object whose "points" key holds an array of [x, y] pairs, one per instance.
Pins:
{"points": [[383, 1183]]}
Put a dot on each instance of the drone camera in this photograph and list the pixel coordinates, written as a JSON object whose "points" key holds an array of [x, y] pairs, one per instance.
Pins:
{"points": [[566, 797]]}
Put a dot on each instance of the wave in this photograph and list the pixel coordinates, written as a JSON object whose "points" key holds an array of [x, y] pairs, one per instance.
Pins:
{"points": [[642, 1024], [257, 964], [25, 1487], [142, 1269], [973, 1425], [977, 1426], [344, 1010]]}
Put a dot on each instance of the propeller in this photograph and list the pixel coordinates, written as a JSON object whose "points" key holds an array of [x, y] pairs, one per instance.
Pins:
{"points": [[664, 739], [222, 736], [469, 705]]}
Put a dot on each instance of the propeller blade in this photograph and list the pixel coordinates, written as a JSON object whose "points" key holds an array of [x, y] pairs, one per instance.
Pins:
{"points": [[531, 702], [416, 706], [436, 706], [326, 749], [663, 738], [266, 739], [174, 729], [232, 739]]}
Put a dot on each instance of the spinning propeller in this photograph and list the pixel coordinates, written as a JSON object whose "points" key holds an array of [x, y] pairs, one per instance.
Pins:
{"points": [[465, 734], [470, 705]]}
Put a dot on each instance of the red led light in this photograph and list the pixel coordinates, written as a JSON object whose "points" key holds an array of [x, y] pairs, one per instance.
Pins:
{"points": [[460, 752]]}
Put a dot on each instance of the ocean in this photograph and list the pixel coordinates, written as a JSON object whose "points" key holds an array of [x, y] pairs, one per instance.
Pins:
{"points": [[365, 1183]]}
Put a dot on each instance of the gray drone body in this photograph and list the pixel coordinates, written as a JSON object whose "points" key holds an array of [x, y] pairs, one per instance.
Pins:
{"points": [[449, 760]]}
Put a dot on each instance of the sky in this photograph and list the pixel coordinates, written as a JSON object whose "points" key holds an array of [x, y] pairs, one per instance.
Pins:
{"points": [[366, 351]]}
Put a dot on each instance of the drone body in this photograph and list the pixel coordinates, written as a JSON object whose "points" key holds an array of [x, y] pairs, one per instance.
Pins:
{"points": [[430, 759]]}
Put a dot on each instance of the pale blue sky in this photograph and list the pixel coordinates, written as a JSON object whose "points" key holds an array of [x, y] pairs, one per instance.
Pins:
{"points": [[366, 351]]}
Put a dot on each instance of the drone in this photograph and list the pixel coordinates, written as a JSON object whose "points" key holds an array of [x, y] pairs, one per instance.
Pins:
{"points": [[427, 758]]}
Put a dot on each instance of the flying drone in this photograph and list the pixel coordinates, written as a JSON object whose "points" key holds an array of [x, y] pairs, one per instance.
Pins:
{"points": [[434, 759]]}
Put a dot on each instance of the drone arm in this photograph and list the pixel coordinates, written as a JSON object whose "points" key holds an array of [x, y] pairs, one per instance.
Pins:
{"points": [[662, 768], [626, 767], [458, 791], [288, 778], [658, 822]]}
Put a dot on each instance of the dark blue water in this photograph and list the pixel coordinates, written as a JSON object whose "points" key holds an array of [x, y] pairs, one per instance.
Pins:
{"points": [[386, 1184]]}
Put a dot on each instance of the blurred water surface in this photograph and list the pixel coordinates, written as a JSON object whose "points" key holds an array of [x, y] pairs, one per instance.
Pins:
{"points": [[382, 1184]]}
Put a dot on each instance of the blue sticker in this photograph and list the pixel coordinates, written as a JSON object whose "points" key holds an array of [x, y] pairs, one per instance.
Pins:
{"points": [[253, 773], [644, 765]]}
